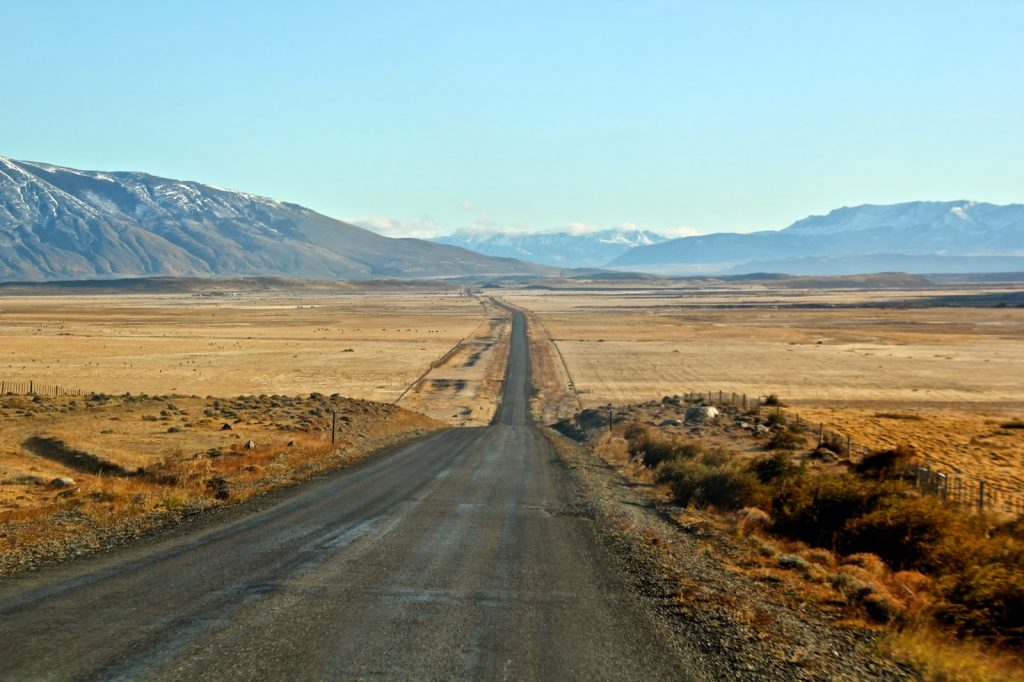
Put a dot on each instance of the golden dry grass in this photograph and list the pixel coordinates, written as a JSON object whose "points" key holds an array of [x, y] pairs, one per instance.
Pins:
{"points": [[167, 454], [626, 350], [960, 369], [370, 346]]}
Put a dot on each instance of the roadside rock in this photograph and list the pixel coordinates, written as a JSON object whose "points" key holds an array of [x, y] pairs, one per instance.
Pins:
{"points": [[701, 414], [62, 482]]}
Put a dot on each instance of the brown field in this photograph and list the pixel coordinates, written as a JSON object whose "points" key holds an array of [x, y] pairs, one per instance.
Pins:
{"points": [[838, 356], [370, 346], [157, 430], [140, 462]]}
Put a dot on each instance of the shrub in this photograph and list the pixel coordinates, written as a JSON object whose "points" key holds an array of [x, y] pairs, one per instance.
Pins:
{"points": [[885, 463], [653, 448], [787, 439], [726, 488], [815, 509], [773, 467], [987, 599], [793, 562], [904, 532], [772, 399], [775, 419]]}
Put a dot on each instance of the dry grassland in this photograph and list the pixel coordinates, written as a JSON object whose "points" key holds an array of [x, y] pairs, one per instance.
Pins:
{"points": [[138, 462], [370, 346], [157, 438], [959, 369]]}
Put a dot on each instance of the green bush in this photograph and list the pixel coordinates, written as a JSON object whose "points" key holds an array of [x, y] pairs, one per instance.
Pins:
{"points": [[774, 467], [787, 439], [725, 488], [653, 448]]}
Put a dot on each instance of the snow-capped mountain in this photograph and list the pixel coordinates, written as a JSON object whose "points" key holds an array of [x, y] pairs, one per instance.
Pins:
{"points": [[562, 249], [987, 235], [61, 223]]}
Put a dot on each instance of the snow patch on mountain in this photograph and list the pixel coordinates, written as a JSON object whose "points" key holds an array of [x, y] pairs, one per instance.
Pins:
{"points": [[562, 249]]}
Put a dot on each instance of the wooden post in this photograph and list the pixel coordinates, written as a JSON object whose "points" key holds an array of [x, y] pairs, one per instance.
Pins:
{"points": [[31, 387], [744, 401], [609, 420], [981, 496], [334, 427], [719, 397]]}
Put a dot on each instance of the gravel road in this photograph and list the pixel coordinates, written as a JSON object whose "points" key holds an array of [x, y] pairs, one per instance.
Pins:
{"points": [[463, 555]]}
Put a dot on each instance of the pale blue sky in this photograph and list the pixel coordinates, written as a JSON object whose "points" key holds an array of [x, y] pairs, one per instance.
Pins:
{"points": [[534, 115]]}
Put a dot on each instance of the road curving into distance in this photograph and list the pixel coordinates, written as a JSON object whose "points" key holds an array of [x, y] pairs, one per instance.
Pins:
{"points": [[458, 556]]}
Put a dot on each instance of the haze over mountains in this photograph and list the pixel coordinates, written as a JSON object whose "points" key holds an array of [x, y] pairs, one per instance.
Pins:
{"points": [[561, 249], [64, 224], [916, 237]]}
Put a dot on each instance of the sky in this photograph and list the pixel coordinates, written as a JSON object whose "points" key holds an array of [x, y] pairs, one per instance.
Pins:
{"points": [[422, 118]]}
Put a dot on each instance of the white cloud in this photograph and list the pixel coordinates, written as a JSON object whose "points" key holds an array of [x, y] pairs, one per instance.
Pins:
{"points": [[426, 226], [679, 231], [423, 227]]}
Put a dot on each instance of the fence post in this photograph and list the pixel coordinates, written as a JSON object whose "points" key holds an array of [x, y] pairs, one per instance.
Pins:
{"points": [[334, 426], [821, 433], [981, 495], [31, 387]]}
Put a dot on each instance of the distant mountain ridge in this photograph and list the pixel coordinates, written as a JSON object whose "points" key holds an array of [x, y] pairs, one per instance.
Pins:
{"points": [[867, 236], [62, 223], [559, 249]]}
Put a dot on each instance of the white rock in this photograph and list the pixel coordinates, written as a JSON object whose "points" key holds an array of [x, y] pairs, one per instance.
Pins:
{"points": [[701, 414]]}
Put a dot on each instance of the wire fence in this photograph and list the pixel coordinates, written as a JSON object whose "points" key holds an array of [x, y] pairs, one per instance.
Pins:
{"points": [[976, 494], [36, 388]]}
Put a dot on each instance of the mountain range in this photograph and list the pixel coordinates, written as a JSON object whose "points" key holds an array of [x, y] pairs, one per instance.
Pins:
{"points": [[560, 249], [920, 236], [63, 224]]}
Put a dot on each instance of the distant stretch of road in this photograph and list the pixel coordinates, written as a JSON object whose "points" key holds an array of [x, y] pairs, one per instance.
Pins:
{"points": [[455, 557]]}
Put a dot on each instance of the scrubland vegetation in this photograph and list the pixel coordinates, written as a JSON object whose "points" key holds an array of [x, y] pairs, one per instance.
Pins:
{"points": [[902, 558], [82, 474]]}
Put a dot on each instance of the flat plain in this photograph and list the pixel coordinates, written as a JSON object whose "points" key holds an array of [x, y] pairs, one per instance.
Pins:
{"points": [[367, 345], [917, 366]]}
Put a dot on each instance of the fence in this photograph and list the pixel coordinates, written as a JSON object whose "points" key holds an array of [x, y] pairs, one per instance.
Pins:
{"points": [[35, 388], [960, 491]]}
